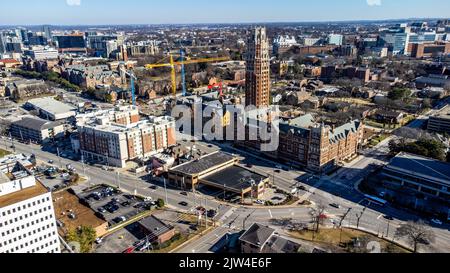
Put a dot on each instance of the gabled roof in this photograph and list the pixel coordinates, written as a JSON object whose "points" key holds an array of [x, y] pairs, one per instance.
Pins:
{"points": [[257, 235], [342, 132]]}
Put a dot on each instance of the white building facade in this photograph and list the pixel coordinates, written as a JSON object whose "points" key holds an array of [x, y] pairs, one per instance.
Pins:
{"points": [[27, 217]]}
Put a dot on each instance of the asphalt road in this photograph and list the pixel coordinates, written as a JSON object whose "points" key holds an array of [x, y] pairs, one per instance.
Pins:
{"points": [[323, 190]]}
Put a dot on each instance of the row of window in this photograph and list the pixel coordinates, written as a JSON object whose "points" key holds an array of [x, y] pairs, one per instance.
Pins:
{"points": [[16, 219], [42, 219], [8, 212], [17, 248]]}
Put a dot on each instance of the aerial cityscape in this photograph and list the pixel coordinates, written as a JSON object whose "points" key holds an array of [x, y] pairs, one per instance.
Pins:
{"points": [[303, 129]]}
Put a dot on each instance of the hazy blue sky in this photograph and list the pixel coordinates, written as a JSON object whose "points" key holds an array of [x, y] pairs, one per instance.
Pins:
{"points": [[212, 11]]}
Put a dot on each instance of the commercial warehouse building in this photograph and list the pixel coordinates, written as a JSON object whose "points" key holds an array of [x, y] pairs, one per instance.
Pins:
{"points": [[51, 109], [36, 130], [219, 170]]}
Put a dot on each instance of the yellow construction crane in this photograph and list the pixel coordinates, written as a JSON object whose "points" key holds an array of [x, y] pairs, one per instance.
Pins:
{"points": [[182, 63]]}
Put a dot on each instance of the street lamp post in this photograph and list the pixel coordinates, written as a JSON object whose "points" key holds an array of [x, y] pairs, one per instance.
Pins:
{"points": [[165, 190], [118, 180], [59, 157]]}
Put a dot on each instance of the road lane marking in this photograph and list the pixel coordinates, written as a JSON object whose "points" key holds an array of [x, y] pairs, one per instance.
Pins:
{"points": [[270, 213], [379, 216]]}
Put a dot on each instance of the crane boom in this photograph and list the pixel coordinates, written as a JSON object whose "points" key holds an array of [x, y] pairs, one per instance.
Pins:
{"points": [[133, 88], [203, 60], [183, 62]]}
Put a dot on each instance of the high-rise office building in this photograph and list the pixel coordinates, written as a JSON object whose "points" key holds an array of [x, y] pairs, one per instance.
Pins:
{"points": [[71, 43], [47, 31], [27, 217], [257, 85], [2, 42]]}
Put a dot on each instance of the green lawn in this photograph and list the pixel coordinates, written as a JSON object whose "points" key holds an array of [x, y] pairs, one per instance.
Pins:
{"points": [[332, 238]]}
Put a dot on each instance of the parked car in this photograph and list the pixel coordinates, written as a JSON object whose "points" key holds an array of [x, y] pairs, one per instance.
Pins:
{"points": [[98, 240], [201, 210], [120, 219], [129, 250], [101, 210], [211, 213], [184, 193], [112, 208], [50, 161], [126, 204], [259, 202], [387, 217], [277, 171], [184, 204], [249, 166]]}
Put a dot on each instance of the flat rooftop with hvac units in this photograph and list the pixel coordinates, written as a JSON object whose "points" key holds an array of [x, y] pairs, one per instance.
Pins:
{"points": [[221, 171]]}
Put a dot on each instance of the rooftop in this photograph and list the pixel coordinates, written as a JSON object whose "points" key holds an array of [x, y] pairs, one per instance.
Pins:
{"points": [[235, 177], [444, 113], [51, 105], [204, 163], [257, 235], [35, 123], [277, 244], [422, 166], [155, 226], [22, 195], [64, 202]]}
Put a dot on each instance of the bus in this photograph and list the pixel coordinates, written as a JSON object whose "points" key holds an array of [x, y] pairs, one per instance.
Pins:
{"points": [[375, 200]]}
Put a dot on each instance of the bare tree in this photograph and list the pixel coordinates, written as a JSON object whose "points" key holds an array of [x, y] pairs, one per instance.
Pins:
{"points": [[317, 215], [416, 233]]}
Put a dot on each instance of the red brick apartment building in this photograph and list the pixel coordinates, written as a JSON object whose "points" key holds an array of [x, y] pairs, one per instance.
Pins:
{"points": [[118, 135]]}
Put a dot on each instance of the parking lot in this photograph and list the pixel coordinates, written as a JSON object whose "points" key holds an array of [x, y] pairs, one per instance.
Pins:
{"points": [[115, 206], [131, 237], [117, 242]]}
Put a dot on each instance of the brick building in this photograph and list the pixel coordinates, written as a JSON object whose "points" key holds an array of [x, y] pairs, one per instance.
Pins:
{"points": [[257, 84], [116, 136], [429, 50]]}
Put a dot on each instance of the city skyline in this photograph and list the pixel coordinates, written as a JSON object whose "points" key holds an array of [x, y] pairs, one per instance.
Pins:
{"points": [[83, 12]]}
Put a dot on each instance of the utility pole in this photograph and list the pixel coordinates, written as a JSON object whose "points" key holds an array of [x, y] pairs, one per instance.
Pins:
{"points": [[224, 192], [165, 189], [206, 215], [340, 224], [12, 142], [359, 216], [84, 168], [59, 158], [118, 180]]}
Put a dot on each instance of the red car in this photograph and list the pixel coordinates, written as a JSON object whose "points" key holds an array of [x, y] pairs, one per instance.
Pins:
{"points": [[201, 210], [129, 250]]}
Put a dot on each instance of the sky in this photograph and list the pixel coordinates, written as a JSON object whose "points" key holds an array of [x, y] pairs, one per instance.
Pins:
{"points": [[91, 12]]}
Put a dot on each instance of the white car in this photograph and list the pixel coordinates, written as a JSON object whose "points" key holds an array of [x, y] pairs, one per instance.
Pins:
{"points": [[98, 240], [436, 221], [259, 202]]}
